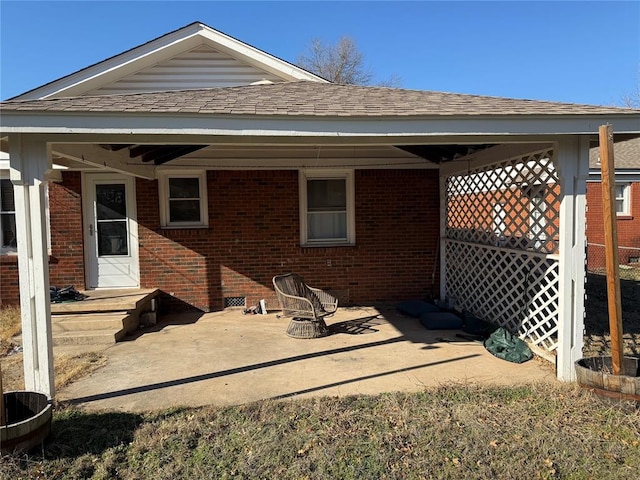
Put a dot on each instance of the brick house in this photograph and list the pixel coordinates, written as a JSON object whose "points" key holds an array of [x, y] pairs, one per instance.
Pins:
{"points": [[202, 166], [627, 162]]}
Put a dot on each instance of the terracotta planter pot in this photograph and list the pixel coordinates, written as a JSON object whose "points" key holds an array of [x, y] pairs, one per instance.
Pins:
{"points": [[595, 374], [28, 416]]}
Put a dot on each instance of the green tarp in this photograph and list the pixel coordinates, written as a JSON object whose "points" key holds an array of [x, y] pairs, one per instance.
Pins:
{"points": [[508, 347]]}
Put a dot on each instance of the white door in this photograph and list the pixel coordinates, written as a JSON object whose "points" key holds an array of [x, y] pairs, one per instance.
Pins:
{"points": [[111, 231]]}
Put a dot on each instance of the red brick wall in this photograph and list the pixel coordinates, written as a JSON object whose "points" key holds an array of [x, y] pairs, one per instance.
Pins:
{"points": [[628, 226], [254, 234], [66, 263], [9, 288]]}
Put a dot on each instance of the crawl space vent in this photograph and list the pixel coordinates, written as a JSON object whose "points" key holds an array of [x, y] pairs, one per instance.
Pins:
{"points": [[235, 301]]}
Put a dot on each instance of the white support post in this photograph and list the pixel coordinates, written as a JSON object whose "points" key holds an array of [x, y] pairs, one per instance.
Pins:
{"points": [[442, 239], [29, 160], [572, 162]]}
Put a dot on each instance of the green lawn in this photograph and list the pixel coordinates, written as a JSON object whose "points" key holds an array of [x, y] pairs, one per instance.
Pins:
{"points": [[452, 432]]}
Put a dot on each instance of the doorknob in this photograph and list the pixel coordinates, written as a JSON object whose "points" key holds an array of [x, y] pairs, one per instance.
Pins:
{"points": [[91, 229]]}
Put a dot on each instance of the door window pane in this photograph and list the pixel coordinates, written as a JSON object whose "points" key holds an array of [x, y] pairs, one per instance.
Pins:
{"points": [[112, 238], [111, 202]]}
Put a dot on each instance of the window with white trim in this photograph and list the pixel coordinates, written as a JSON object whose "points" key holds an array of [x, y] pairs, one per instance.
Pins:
{"points": [[183, 199], [7, 217], [623, 192], [327, 208]]}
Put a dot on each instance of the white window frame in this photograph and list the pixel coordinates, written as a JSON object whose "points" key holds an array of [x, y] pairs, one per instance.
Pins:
{"points": [[8, 250], [626, 199], [348, 177], [163, 192]]}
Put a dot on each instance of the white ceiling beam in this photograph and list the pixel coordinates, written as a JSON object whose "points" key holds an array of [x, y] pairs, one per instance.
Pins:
{"points": [[99, 157], [491, 156]]}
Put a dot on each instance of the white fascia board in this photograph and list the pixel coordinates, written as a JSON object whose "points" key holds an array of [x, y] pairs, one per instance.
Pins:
{"points": [[292, 126], [630, 175], [257, 57]]}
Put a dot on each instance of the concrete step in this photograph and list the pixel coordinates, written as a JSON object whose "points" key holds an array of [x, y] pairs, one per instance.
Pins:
{"points": [[94, 337], [104, 317], [107, 301], [90, 321]]}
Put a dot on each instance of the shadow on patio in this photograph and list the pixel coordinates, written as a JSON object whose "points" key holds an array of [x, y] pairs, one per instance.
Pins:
{"points": [[228, 358]]}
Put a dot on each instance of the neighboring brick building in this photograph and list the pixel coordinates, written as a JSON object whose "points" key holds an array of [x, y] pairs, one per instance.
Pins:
{"points": [[627, 170]]}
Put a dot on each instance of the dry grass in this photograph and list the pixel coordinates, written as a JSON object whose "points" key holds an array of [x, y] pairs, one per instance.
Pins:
{"points": [[68, 368], [453, 432], [10, 326]]}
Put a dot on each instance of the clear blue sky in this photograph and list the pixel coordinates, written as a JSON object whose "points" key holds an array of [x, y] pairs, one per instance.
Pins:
{"points": [[584, 52]]}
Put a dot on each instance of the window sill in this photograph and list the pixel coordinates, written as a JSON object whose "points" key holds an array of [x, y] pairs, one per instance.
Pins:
{"points": [[184, 231], [184, 227], [328, 244], [624, 217], [9, 257]]}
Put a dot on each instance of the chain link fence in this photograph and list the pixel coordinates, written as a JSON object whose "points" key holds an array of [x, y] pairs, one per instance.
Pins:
{"points": [[597, 337], [629, 258]]}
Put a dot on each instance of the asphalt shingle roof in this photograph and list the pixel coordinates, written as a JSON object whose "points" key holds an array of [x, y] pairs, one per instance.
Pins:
{"points": [[308, 99], [626, 155]]}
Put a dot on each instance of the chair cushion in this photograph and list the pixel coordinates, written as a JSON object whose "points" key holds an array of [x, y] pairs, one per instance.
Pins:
{"points": [[440, 321], [415, 308]]}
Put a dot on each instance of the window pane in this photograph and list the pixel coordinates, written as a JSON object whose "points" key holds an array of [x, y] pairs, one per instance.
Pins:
{"points": [[184, 211], [8, 230], [620, 206], [111, 202], [7, 203], [112, 238], [184, 188], [327, 226], [620, 191], [325, 195]]}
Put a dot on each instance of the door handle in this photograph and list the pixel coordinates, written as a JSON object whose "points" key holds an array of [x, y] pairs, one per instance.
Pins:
{"points": [[91, 229]]}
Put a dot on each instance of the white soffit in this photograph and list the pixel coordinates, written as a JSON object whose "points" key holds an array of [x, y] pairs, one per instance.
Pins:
{"points": [[162, 49]]}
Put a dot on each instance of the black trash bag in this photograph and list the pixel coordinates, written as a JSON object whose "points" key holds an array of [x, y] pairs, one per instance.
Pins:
{"points": [[508, 347], [65, 294]]}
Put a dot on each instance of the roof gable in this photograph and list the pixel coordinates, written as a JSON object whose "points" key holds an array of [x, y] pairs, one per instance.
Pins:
{"points": [[200, 67], [124, 71]]}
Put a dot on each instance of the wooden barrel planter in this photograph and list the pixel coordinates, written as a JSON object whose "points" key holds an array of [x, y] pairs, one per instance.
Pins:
{"points": [[595, 374], [28, 417]]}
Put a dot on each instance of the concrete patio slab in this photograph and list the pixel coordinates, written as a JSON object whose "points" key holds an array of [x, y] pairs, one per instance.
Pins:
{"points": [[226, 358]]}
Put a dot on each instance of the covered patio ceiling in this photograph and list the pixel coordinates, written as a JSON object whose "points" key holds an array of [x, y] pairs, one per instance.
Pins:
{"points": [[161, 154]]}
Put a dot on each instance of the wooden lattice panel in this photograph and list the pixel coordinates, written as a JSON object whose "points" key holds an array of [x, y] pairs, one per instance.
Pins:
{"points": [[518, 291], [514, 204], [501, 245]]}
